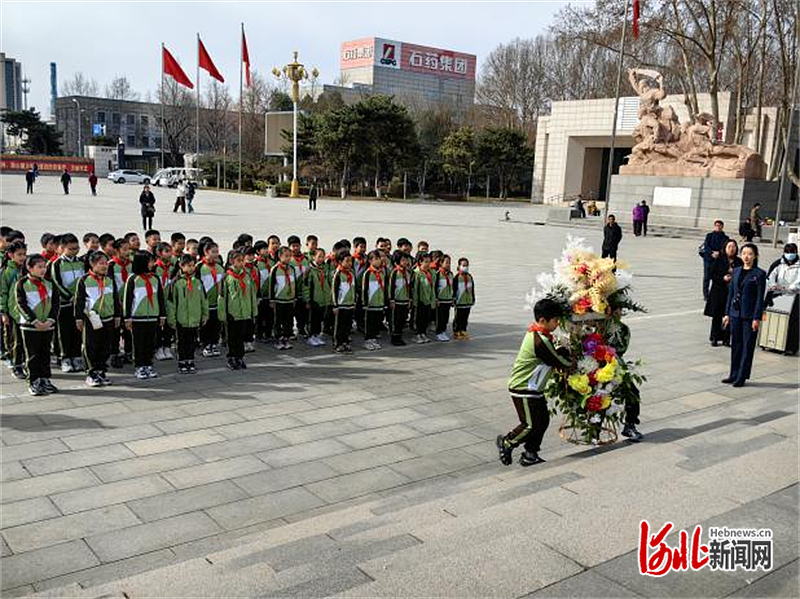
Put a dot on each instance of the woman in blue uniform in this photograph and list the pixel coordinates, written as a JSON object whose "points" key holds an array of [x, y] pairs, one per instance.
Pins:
{"points": [[743, 313]]}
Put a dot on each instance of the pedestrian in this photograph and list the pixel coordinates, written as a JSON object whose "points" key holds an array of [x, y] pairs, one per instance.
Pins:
{"points": [[35, 171], [148, 205], [191, 188], [612, 235], [93, 183], [637, 220], [180, 197], [743, 313], [711, 248], [578, 205], [66, 180], [721, 274], [30, 179], [145, 312], [784, 280], [755, 219], [312, 197], [645, 216]]}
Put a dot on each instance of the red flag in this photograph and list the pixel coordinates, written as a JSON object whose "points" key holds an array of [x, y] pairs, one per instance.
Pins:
{"points": [[245, 59], [635, 19], [205, 62], [174, 70]]}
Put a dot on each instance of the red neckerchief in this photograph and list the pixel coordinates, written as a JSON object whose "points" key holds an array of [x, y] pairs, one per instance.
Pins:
{"points": [[213, 268], [40, 287], [446, 276], [321, 275], [165, 273], [286, 274], [253, 273], [239, 277], [101, 281], [189, 282], [348, 273], [122, 264], [428, 276], [358, 257], [50, 256], [377, 276], [537, 328], [149, 286], [299, 260], [403, 272]]}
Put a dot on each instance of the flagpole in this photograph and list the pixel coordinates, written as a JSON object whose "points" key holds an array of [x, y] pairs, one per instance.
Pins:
{"points": [[197, 145], [241, 87], [610, 170], [162, 104]]}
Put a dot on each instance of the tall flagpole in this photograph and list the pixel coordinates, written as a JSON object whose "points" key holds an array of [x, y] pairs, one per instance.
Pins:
{"points": [[162, 104], [197, 146], [616, 110], [241, 87]]}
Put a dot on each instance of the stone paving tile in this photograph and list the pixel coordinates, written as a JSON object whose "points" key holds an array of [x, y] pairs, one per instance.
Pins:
{"points": [[48, 562], [379, 436], [77, 459], [209, 472], [192, 499], [32, 450], [357, 483], [159, 462], [440, 442], [12, 471], [151, 536], [237, 447], [275, 409], [783, 582], [264, 508], [369, 458], [48, 484], [27, 510], [191, 423], [434, 465], [586, 584], [331, 413], [170, 442], [388, 417], [257, 427], [303, 452], [109, 437], [284, 478], [110, 493], [315, 432], [59, 530], [37, 406]]}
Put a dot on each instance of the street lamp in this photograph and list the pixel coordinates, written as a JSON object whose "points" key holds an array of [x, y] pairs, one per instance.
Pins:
{"points": [[294, 72], [80, 148]]}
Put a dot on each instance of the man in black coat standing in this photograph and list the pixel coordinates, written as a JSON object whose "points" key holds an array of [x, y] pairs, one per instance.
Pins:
{"points": [[312, 197], [713, 246], [66, 179], [612, 235], [30, 178]]}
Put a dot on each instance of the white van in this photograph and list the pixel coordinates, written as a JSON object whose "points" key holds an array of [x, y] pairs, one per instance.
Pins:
{"points": [[169, 177]]}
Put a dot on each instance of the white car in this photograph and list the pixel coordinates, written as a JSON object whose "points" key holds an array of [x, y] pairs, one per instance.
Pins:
{"points": [[169, 177], [129, 176]]}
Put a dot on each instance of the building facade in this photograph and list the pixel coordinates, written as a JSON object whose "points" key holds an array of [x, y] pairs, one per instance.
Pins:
{"points": [[10, 93], [417, 76]]}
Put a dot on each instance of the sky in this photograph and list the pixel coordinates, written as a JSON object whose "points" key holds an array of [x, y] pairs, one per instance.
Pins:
{"points": [[104, 39]]}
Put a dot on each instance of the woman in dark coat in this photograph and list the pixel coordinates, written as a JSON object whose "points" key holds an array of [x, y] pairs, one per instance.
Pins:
{"points": [[148, 203], [721, 273], [743, 314]]}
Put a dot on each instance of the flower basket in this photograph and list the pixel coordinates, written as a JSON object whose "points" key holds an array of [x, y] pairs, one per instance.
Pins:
{"points": [[573, 434]]}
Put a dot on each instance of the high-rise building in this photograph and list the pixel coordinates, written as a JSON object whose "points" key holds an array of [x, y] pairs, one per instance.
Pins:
{"points": [[10, 92]]}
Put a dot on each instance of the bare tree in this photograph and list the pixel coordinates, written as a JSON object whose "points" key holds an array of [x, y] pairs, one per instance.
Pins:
{"points": [[79, 85], [255, 102], [216, 117], [121, 89], [179, 118]]}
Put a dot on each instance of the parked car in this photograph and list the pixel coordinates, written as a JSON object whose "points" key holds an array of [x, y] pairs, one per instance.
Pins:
{"points": [[129, 176], [168, 177]]}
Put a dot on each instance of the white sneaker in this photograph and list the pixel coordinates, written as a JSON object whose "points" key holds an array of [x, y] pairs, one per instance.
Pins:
{"points": [[208, 351], [77, 364], [320, 342], [249, 347], [160, 354], [419, 339], [369, 345], [377, 344], [442, 337], [141, 373], [168, 354], [94, 381], [66, 365], [311, 341], [151, 372]]}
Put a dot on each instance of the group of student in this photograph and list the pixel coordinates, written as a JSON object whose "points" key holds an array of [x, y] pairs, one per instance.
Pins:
{"points": [[119, 302]]}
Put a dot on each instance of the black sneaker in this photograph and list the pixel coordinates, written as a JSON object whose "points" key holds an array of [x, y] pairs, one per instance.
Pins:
{"points": [[36, 388], [127, 359], [530, 458], [18, 373], [504, 451], [727, 380], [631, 433], [116, 361], [339, 349], [183, 368], [242, 364], [49, 386], [233, 364], [398, 341], [104, 378], [192, 368]]}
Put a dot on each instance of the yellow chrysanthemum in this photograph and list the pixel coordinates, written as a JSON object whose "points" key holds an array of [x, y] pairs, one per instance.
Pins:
{"points": [[606, 373], [580, 383]]}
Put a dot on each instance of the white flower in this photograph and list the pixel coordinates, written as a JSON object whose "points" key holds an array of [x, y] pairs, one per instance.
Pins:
{"points": [[588, 364], [595, 419], [614, 409], [624, 278]]}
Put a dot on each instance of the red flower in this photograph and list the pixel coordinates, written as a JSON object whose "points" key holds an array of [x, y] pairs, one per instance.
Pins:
{"points": [[593, 337], [594, 404], [599, 353], [592, 378]]}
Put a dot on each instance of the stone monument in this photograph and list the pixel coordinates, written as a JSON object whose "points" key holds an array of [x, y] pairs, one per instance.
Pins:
{"points": [[666, 147]]}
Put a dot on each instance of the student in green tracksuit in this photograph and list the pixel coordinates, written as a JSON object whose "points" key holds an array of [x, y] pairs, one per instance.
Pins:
{"points": [[37, 308], [423, 297], [210, 273], [399, 296], [283, 284], [301, 264], [144, 312], [464, 294], [187, 311], [15, 254], [237, 307], [65, 271], [317, 295], [163, 270], [343, 300], [535, 362], [373, 297], [443, 287], [97, 316]]}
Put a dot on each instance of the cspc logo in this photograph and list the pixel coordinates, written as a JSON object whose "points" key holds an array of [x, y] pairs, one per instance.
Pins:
{"points": [[388, 55]]}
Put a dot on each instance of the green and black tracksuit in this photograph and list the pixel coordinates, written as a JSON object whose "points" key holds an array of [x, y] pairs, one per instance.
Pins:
{"points": [[317, 295], [443, 285], [237, 308], [11, 340], [343, 300], [423, 298], [301, 316], [399, 292], [373, 297], [65, 273], [266, 319], [187, 311], [464, 295], [120, 271], [144, 304], [529, 376], [210, 275], [164, 273], [360, 265], [620, 340], [37, 300], [283, 283], [97, 294]]}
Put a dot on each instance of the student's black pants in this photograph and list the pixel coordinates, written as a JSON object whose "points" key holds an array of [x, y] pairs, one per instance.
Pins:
{"points": [[461, 318], [147, 222], [301, 317], [187, 343], [343, 322], [68, 335], [442, 316], [359, 314], [37, 353], [29, 187], [209, 332], [284, 313], [317, 316], [237, 329], [422, 317], [328, 321], [609, 253], [534, 419], [372, 323], [145, 338], [266, 319], [399, 317], [632, 409], [165, 336], [97, 346]]}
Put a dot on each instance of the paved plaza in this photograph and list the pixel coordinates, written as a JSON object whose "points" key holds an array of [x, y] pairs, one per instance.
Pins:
{"points": [[375, 475]]}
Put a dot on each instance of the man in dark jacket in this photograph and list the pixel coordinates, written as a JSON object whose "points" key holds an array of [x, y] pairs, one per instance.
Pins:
{"points": [[30, 178], [612, 235], [713, 246], [312, 197], [66, 179], [645, 216]]}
